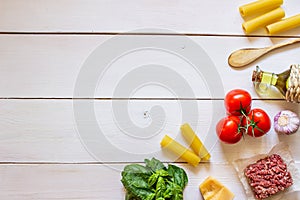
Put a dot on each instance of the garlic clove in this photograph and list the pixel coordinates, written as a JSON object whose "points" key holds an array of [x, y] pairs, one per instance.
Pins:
{"points": [[286, 122]]}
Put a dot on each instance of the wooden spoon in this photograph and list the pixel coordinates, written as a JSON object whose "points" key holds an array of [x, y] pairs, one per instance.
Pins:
{"points": [[243, 57]]}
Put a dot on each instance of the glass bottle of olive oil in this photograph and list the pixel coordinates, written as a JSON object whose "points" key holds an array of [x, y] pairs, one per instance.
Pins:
{"points": [[263, 80]]}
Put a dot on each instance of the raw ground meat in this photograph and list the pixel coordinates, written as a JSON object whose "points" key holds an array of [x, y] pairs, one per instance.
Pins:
{"points": [[268, 176]]}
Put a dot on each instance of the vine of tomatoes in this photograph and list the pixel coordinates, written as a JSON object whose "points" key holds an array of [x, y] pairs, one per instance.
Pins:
{"points": [[241, 118]]}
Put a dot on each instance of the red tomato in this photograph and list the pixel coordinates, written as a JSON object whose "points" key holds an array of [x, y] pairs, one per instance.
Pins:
{"points": [[228, 129], [237, 102], [258, 123]]}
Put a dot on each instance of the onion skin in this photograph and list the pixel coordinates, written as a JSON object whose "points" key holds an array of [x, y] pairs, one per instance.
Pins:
{"points": [[286, 122]]}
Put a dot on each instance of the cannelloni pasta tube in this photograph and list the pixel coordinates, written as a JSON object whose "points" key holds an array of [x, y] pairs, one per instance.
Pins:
{"points": [[179, 150], [263, 20], [194, 142], [261, 6], [285, 24]]}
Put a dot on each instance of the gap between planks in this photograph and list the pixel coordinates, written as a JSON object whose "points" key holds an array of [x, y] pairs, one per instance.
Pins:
{"points": [[143, 34], [126, 99], [106, 163], [98, 163]]}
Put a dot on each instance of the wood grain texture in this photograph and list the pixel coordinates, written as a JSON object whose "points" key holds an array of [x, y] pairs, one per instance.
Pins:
{"points": [[183, 16], [92, 181], [48, 140], [243, 57], [49, 131], [98, 181], [48, 66]]}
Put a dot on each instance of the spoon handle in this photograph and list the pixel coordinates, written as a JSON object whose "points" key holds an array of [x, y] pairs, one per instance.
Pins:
{"points": [[276, 46], [243, 57]]}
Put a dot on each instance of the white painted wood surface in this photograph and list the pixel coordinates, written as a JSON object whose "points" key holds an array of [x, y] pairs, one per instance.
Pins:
{"points": [[46, 130], [90, 181], [183, 16], [35, 61], [42, 151]]}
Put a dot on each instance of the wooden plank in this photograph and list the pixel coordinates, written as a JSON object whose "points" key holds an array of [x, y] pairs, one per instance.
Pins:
{"points": [[115, 16], [49, 66], [121, 131], [91, 181], [98, 181]]}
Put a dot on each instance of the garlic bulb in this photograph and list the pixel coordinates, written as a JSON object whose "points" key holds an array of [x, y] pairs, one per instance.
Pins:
{"points": [[286, 122]]}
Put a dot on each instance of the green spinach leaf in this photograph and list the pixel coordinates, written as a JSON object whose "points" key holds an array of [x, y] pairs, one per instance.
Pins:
{"points": [[153, 181], [135, 180], [154, 164], [178, 175]]}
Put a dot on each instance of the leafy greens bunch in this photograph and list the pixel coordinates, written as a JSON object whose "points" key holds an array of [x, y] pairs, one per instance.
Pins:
{"points": [[154, 181]]}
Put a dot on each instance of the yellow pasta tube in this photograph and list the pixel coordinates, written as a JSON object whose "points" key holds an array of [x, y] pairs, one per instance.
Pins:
{"points": [[187, 155], [284, 25], [263, 20], [261, 6], [194, 142]]}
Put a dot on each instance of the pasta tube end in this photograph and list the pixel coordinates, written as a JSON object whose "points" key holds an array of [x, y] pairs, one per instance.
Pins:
{"points": [[242, 12]]}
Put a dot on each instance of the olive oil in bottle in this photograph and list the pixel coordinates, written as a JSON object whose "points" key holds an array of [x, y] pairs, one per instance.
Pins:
{"points": [[263, 80], [287, 83]]}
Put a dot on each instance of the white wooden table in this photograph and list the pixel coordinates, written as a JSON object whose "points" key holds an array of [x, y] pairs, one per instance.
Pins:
{"points": [[44, 45]]}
